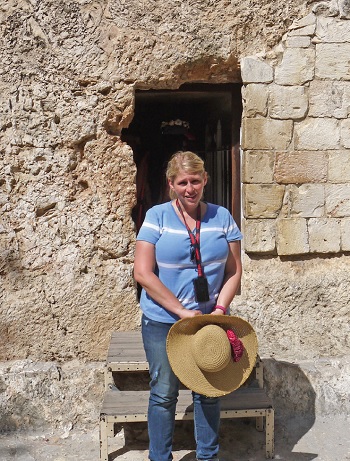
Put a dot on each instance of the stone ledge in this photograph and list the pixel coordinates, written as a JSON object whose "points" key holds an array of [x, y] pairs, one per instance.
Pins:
{"points": [[37, 395]]}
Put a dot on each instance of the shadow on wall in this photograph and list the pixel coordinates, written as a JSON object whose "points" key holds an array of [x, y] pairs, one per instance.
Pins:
{"points": [[294, 402]]}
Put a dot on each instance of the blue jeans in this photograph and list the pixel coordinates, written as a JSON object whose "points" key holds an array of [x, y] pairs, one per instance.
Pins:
{"points": [[163, 398]]}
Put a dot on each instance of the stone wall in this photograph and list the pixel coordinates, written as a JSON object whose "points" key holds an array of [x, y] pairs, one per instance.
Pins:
{"points": [[296, 168], [296, 189], [68, 75]]}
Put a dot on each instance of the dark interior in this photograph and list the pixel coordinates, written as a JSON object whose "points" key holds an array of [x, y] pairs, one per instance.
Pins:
{"points": [[203, 118]]}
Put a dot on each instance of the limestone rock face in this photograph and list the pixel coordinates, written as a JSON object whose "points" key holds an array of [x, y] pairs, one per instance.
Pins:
{"points": [[294, 321], [67, 184]]}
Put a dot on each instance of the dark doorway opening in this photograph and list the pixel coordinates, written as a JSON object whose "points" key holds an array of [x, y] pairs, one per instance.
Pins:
{"points": [[204, 118]]}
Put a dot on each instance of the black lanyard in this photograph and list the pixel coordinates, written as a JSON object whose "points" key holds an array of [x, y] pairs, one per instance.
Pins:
{"points": [[195, 240]]}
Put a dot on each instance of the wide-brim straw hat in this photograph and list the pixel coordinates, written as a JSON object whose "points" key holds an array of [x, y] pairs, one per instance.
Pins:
{"points": [[200, 353]]}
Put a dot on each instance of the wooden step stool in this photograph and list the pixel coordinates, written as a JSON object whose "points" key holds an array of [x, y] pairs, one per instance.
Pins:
{"points": [[126, 354]]}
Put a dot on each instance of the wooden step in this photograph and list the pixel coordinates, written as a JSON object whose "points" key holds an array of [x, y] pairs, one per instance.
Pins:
{"points": [[128, 406], [126, 352]]}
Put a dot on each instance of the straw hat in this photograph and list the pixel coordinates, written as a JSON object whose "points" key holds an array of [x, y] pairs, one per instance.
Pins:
{"points": [[200, 353]]}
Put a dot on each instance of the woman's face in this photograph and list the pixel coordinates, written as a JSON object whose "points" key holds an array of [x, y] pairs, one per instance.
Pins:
{"points": [[188, 188]]}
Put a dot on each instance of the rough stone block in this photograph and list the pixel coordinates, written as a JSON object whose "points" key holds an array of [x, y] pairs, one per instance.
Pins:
{"points": [[255, 100], [330, 30], [298, 42], [257, 167], [306, 31], [296, 68], [339, 167], [300, 167], [49, 394], [266, 134], [306, 201], [262, 200], [324, 235], [255, 71], [317, 134], [287, 102], [329, 99], [259, 235], [332, 61], [305, 21], [345, 234], [292, 236], [345, 133], [338, 200]]}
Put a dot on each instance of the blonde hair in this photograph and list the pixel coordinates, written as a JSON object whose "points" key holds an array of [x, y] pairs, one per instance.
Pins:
{"points": [[184, 161]]}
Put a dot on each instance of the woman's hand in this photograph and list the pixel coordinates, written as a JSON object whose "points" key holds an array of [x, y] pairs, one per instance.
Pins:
{"points": [[217, 312], [187, 313]]}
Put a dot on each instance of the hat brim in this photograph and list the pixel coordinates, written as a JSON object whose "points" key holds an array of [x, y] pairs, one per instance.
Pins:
{"points": [[183, 364]]}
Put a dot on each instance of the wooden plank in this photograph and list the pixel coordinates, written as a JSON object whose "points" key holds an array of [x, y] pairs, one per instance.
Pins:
{"points": [[132, 365], [125, 359], [135, 403], [129, 336], [126, 347], [126, 354]]}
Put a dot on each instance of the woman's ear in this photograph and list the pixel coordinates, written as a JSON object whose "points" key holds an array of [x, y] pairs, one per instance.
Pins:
{"points": [[205, 178], [171, 185]]}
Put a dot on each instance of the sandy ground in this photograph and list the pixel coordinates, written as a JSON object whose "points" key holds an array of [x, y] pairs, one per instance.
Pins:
{"points": [[326, 439]]}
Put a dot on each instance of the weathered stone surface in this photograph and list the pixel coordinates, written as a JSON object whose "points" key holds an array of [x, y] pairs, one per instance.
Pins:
{"points": [[329, 98], [309, 387], [338, 200], [62, 397], [345, 234], [299, 306], [256, 71], [332, 61], [49, 394], [296, 68], [339, 167], [292, 236], [70, 234], [262, 200], [306, 21], [300, 167], [258, 167], [255, 96], [298, 42], [68, 76], [307, 30], [330, 8], [324, 235], [330, 30], [259, 235], [345, 133], [305, 201], [287, 102], [317, 134], [266, 134]]}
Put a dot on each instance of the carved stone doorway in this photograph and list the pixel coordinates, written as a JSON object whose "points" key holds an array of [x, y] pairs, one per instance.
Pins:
{"points": [[204, 118]]}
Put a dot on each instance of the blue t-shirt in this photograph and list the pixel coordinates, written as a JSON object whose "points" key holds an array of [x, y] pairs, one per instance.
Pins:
{"points": [[163, 228]]}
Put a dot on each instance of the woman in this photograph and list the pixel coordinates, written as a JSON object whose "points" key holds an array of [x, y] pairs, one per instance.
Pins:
{"points": [[187, 261]]}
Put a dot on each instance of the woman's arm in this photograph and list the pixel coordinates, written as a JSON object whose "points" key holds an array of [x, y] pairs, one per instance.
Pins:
{"points": [[232, 278], [144, 266]]}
